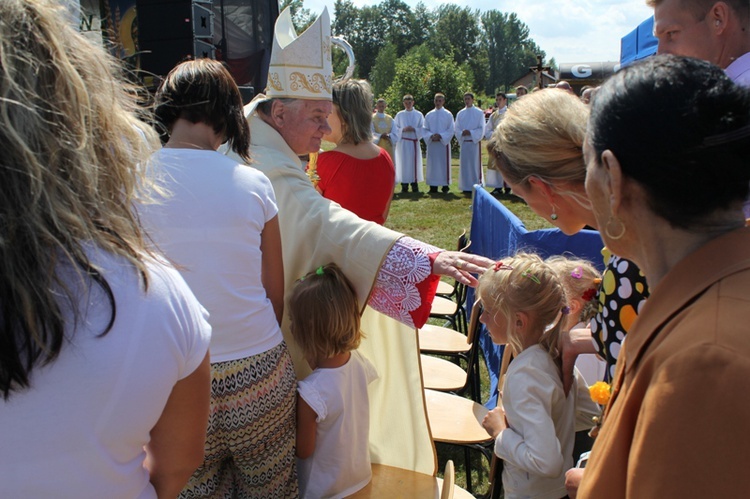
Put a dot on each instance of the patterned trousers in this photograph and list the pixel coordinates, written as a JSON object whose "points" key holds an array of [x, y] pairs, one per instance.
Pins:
{"points": [[251, 430]]}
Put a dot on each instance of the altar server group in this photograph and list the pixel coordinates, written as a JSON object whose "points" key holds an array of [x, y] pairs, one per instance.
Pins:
{"points": [[400, 136]]}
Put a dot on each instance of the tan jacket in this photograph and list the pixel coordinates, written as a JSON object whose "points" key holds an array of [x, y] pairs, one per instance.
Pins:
{"points": [[678, 423]]}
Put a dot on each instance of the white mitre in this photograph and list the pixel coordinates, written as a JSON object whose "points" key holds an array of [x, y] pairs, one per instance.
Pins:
{"points": [[301, 65]]}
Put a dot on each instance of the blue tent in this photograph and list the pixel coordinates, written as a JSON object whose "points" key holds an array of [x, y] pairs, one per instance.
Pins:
{"points": [[639, 43]]}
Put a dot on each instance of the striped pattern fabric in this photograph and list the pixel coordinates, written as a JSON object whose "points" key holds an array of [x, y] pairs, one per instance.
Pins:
{"points": [[251, 430]]}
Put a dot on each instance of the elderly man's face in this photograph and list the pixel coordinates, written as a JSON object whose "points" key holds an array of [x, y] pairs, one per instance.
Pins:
{"points": [[680, 33], [304, 123]]}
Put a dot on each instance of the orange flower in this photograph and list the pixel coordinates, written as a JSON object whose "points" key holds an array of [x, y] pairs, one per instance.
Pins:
{"points": [[600, 392]]}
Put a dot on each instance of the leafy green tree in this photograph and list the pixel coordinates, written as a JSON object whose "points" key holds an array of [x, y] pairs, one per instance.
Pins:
{"points": [[399, 21], [445, 76], [301, 18], [422, 75], [384, 70], [510, 51], [456, 31], [365, 31], [422, 26]]}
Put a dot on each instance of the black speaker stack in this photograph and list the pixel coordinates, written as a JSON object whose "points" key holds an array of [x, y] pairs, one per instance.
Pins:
{"points": [[171, 31]]}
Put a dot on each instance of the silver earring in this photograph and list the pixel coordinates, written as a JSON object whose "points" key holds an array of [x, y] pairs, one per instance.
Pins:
{"points": [[553, 216], [718, 22]]}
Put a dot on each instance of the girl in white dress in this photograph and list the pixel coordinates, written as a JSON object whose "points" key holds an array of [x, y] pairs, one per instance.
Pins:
{"points": [[333, 413]]}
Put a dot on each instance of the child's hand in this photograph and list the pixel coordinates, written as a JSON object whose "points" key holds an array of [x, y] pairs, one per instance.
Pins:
{"points": [[494, 422]]}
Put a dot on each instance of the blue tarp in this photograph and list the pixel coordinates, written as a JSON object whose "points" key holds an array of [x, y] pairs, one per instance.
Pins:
{"points": [[639, 43], [496, 232]]}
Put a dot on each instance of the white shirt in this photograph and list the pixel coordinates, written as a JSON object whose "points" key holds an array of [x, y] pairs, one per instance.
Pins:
{"points": [[537, 447], [79, 431], [210, 225], [340, 464]]}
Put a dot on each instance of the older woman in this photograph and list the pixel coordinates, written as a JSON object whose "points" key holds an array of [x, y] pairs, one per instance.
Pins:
{"points": [[677, 423], [538, 146], [357, 174]]}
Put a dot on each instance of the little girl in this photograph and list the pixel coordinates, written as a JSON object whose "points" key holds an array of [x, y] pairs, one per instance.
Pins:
{"points": [[581, 281], [333, 413], [525, 307]]}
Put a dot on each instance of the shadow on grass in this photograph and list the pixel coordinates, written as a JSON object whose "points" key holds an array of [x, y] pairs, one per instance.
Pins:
{"points": [[417, 196]]}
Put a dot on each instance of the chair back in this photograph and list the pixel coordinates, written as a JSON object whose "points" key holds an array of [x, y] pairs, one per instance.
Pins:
{"points": [[449, 481]]}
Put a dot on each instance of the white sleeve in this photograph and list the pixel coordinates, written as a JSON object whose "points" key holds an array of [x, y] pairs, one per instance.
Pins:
{"points": [[530, 442], [310, 394]]}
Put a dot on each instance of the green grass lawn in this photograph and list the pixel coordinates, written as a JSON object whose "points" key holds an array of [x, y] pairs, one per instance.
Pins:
{"points": [[439, 219]]}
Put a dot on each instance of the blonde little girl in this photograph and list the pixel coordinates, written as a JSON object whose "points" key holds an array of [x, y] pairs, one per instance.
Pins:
{"points": [[525, 307], [333, 414], [581, 282]]}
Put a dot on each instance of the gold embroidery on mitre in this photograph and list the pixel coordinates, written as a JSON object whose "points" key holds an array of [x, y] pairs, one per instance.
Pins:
{"points": [[316, 84], [273, 81]]}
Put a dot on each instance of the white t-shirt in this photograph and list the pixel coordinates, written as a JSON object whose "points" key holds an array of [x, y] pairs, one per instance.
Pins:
{"points": [[210, 226], [340, 464], [79, 430]]}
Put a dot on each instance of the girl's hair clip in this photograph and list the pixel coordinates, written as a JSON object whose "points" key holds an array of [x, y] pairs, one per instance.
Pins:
{"points": [[500, 265], [577, 272], [589, 294], [531, 276], [318, 271], [598, 280], [565, 310]]}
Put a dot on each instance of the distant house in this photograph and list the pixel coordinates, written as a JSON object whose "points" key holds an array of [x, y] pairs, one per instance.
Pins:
{"points": [[531, 79]]}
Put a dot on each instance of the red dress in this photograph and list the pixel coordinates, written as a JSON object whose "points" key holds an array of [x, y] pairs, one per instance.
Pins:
{"points": [[362, 186]]}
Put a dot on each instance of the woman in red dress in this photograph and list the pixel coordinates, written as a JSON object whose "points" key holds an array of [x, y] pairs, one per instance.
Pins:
{"points": [[357, 174]]}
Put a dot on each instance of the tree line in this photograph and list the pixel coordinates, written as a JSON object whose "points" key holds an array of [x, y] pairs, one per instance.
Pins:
{"points": [[421, 51]]}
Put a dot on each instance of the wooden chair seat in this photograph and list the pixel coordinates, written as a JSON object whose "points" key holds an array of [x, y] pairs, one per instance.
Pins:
{"points": [[444, 288], [442, 340], [442, 375], [397, 483], [393, 483], [455, 420], [443, 306]]}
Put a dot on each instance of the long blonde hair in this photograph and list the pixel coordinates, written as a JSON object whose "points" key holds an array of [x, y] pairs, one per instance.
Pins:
{"points": [[542, 136], [71, 147], [581, 281], [524, 283]]}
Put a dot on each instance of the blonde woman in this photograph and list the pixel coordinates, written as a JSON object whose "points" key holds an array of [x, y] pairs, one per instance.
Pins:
{"points": [[539, 151], [104, 371]]}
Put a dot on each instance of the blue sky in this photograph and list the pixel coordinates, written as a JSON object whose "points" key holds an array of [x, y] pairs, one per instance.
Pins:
{"points": [[568, 30]]}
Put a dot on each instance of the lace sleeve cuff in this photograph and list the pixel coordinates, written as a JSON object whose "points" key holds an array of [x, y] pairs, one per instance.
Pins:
{"points": [[405, 286]]}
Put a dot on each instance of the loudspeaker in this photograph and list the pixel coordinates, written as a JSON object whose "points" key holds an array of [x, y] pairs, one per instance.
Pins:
{"points": [[247, 92], [170, 31]]}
